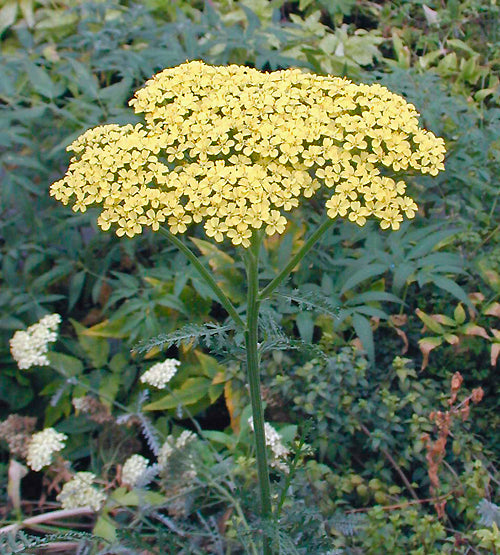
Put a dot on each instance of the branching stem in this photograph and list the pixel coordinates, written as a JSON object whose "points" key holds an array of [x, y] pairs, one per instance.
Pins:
{"points": [[299, 255], [206, 275]]}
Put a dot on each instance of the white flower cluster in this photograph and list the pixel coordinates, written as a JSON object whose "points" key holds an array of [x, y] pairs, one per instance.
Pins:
{"points": [[171, 444], [161, 373], [42, 446], [273, 440], [29, 347], [79, 492], [133, 470]]}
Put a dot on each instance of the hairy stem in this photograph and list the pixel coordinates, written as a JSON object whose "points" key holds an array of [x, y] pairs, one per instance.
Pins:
{"points": [[251, 340], [299, 255], [206, 275]]}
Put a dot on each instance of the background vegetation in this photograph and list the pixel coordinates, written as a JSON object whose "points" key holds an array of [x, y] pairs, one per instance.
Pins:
{"points": [[367, 351]]}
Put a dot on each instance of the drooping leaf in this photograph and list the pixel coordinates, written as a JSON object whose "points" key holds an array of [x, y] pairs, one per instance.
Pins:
{"points": [[427, 344], [189, 393]]}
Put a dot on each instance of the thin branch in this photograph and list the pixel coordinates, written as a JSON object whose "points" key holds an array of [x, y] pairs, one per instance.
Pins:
{"points": [[403, 505], [394, 464], [47, 517]]}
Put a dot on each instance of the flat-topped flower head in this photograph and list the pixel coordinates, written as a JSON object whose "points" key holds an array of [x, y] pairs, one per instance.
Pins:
{"points": [[42, 447], [236, 149], [134, 469], [79, 492], [29, 347]]}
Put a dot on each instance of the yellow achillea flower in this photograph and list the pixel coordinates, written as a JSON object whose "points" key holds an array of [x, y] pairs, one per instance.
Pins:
{"points": [[236, 148]]}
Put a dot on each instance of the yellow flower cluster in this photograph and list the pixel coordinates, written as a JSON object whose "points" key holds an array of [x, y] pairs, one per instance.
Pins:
{"points": [[236, 148]]}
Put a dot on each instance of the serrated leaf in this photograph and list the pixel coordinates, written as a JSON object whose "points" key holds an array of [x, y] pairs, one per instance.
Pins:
{"points": [[190, 334], [311, 300]]}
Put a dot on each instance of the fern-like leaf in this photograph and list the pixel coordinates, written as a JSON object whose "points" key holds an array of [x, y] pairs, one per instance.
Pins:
{"points": [[150, 433], [286, 343], [149, 475], [209, 335], [21, 542], [348, 524], [489, 513], [310, 300]]}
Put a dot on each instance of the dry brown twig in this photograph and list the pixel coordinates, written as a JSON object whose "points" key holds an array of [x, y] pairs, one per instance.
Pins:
{"points": [[436, 450]]}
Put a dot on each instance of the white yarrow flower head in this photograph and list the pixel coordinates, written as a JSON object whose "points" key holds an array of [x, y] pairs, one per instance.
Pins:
{"points": [[42, 447], [29, 347], [134, 469], [161, 373], [172, 444], [79, 492], [273, 440]]}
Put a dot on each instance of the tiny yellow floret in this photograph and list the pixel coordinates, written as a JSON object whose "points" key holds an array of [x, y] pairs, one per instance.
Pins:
{"points": [[236, 149]]}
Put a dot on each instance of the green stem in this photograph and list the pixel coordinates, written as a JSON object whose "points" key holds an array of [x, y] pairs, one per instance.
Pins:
{"points": [[206, 275], [251, 340], [299, 255]]}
